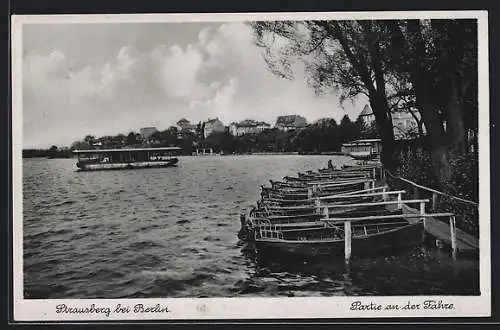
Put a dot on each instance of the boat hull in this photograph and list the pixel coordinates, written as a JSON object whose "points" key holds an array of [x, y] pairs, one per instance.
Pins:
{"points": [[405, 236], [125, 166], [361, 155]]}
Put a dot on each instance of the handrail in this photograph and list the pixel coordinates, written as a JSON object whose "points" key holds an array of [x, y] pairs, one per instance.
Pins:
{"points": [[345, 183], [409, 201], [277, 217], [284, 200], [392, 192], [362, 191], [297, 207], [391, 216], [356, 193], [305, 184], [336, 227], [431, 190], [339, 183]]}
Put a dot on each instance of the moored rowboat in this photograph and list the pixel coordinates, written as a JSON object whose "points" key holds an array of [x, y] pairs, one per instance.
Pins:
{"points": [[330, 242]]}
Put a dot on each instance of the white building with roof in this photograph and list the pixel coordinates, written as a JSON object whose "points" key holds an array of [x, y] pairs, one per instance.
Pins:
{"points": [[248, 126], [212, 126], [290, 122], [146, 132], [403, 123]]}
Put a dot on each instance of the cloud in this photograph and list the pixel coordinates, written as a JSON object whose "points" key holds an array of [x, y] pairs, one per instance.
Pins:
{"points": [[219, 73], [220, 105], [178, 68]]}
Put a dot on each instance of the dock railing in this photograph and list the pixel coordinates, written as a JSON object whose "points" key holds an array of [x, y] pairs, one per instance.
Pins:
{"points": [[422, 216], [269, 230], [466, 211]]}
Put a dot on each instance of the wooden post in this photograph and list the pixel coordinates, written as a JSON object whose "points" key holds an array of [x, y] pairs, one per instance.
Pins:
{"points": [[453, 237], [347, 240], [415, 193], [309, 193], [374, 174], [400, 205], [318, 205], [373, 184], [325, 212], [422, 212], [434, 201], [384, 196]]}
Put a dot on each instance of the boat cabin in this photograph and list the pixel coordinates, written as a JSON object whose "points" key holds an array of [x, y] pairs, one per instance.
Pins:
{"points": [[371, 146]]}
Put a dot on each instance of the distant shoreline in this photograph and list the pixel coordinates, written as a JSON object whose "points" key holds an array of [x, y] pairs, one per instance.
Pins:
{"points": [[292, 153]]}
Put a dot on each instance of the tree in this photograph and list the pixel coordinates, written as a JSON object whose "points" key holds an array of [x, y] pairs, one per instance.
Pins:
{"points": [[343, 55], [429, 67], [118, 140], [173, 130], [200, 128], [348, 130], [89, 140], [131, 139], [439, 59], [52, 152], [370, 131]]}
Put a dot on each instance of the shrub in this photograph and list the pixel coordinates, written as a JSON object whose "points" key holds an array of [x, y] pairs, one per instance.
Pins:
{"points": [[417, 165]]}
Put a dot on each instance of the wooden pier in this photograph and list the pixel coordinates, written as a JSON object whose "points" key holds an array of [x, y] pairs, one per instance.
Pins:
{"points": [[285, 211], [444, 232], [465, 243]]}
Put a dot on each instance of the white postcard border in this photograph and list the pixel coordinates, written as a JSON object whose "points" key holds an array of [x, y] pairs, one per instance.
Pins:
{"points": [[248, 308]]}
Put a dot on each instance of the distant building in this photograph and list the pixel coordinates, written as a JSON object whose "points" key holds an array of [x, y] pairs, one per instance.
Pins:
{"points": [[403, 123], [248, 126], [290, 122], [146, 133], [213, 126], [185, 126]]}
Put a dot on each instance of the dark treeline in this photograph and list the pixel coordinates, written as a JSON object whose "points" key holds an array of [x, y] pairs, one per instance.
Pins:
{"points": [[52, 152], [324, 135]]}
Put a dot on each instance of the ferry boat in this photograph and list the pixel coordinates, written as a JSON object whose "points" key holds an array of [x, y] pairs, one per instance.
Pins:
{"points": [[126, 158], [366, 149]]}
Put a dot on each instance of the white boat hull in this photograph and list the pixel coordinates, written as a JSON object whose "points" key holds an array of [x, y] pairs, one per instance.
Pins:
{"points": [[124, 166]]}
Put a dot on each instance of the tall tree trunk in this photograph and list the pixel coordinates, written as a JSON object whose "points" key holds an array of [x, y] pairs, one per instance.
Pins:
{"points": [[455, 119], [451, 85], [423, 85], [385, 130], [378, 98]]}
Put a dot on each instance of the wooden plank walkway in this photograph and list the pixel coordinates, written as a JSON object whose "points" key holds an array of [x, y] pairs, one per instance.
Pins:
{"points": [[440, 230]]}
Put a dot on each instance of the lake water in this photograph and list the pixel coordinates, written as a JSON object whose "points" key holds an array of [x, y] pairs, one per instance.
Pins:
{"points": [[171, 232]]}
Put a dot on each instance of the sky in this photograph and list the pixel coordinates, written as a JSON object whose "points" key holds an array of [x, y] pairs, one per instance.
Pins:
{"points": [[110, 78]]}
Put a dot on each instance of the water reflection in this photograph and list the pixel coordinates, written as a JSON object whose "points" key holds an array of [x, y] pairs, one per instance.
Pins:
{"points": [[418, 270]]}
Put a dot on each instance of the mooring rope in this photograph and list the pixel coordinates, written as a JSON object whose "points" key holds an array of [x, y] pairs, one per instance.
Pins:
{"points": [[431, 190]]}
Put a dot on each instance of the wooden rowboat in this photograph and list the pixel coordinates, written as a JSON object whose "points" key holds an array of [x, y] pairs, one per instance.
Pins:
{"points": [[330, 241]]}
